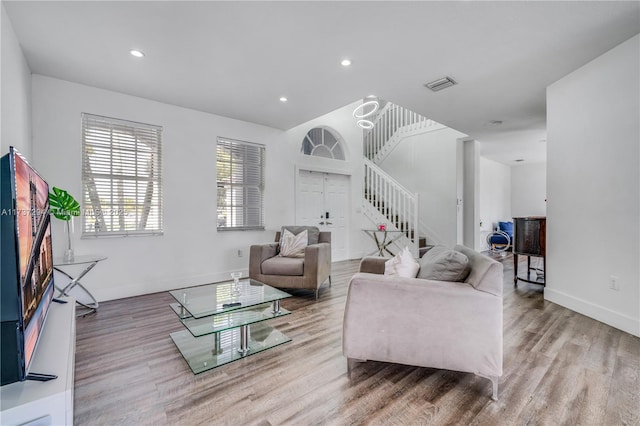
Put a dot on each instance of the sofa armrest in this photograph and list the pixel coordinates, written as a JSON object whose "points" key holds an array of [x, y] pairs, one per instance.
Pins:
{"points": [[317, 260], [259, 253], [373, 265]]}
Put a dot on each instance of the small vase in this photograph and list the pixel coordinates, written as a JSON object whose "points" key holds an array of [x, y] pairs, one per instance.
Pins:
{"points": [[68, 253], [235, 288]]}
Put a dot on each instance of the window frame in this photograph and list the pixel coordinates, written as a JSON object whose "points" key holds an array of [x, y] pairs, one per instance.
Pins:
{"points": [[241, 186], [138, 148]]}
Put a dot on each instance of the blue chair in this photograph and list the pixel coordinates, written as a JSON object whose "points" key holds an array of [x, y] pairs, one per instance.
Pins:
{"points": [[501, 239]]}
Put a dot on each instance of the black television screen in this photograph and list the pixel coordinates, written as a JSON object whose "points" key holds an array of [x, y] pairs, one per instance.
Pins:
{"points": [[27, 264]]}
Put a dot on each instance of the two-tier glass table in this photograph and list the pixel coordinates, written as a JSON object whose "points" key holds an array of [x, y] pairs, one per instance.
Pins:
{"points": [[223, 326]]}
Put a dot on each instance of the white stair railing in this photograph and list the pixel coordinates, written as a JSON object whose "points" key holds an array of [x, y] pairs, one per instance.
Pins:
{"points": [[399, 206], [393, 123]]}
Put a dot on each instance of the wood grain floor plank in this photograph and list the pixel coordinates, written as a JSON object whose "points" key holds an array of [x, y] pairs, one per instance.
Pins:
{"points": [[559, 367]]}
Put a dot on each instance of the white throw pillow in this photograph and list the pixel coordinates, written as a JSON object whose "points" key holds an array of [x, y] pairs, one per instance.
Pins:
{"points": [[293, 245], [402, 265]]}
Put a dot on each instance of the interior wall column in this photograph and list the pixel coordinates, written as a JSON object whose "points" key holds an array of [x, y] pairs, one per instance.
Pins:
{"points": [[471, 200]]}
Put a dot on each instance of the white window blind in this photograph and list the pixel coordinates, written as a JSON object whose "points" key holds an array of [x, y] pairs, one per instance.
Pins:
{"points": [[240, 177], [121, 177]]}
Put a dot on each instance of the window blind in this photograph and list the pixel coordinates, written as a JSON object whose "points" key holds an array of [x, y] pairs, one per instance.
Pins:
{"points": [[240, 179], [121, 177]]}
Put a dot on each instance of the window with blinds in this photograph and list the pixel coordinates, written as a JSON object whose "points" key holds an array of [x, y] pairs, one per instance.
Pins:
{"points": [[121, 177], [240, 178]]}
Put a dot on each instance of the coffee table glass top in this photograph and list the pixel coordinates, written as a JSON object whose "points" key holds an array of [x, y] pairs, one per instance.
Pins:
{"points": [[206, 300]]}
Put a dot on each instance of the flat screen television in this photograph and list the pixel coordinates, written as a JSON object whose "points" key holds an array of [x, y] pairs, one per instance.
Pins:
{"points": [[27, 265]]}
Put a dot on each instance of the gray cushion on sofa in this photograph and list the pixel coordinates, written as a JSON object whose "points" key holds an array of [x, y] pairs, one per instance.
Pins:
{"points": [[312, 231], [443, 264], [288, 266]]}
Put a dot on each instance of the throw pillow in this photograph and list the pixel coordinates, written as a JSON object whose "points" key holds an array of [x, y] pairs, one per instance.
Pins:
{"points": [[293, 245], [312, 231], [506, 227], [444, 264], [402, 265]]}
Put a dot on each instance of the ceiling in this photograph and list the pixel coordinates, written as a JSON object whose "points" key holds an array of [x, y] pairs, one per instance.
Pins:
{"points": [[236, 59]]}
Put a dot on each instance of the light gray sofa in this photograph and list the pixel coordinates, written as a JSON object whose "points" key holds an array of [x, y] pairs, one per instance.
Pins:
{"points": [[448, 325]]}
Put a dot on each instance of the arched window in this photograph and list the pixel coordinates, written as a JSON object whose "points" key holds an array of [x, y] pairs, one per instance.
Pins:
{"points": [[322, 142]]}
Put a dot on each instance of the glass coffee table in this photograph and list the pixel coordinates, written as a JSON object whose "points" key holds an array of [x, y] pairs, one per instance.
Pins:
{"points": [[222, 327]]}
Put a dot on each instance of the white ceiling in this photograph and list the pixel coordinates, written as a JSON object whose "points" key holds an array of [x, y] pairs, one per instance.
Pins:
{"points": [[237, 58]]}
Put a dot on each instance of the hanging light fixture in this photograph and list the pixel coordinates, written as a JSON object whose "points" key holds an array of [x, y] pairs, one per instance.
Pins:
{"points": [[365, 124], [360, 113]]}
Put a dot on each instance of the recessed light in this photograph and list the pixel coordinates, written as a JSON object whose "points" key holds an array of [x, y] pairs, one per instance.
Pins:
{"points": [[283, 99], [345, 63], [495, 122], [519, 160], [136, 53]]}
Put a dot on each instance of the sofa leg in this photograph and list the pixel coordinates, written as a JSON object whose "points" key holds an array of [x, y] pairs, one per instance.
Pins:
{"points": [[329, 280], [351, 362], [494, 383]]}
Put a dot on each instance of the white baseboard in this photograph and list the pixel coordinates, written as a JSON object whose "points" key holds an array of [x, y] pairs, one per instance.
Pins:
{"points": [[597, 312]]}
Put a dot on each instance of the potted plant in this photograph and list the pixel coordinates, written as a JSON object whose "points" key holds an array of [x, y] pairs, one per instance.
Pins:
{"points": [[63, 206]]}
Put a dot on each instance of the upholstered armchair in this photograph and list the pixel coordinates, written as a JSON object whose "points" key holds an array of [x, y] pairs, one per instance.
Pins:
{"points": [[308, 272]]}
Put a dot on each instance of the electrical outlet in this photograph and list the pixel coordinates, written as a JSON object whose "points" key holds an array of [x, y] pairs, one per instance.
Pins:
{"points": [[240, 253], [614, 283]]}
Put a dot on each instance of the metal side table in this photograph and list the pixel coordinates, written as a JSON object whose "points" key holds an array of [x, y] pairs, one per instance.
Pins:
{"points": [[90, 261], [382, 244]]}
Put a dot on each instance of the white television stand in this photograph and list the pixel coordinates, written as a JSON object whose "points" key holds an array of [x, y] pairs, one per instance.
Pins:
{"points": [[46, 403]]}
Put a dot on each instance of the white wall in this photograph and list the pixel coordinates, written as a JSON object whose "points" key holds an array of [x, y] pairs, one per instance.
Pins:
{"points": [[15, 80], [529, 190], [495, 196], [427, 164], [471, 194], [593, 188], [191, 251], [341, 121]]}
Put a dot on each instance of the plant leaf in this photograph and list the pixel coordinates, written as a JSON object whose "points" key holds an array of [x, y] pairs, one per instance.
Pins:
{"points": [[63, 205]]}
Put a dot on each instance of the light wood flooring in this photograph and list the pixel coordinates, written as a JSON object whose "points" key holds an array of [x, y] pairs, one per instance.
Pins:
{"points": [[560, 367]]}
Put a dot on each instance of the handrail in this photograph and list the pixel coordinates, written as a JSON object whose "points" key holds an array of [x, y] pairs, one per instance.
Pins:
{"points": [[393, 201], [392, 119], [387, 176]]}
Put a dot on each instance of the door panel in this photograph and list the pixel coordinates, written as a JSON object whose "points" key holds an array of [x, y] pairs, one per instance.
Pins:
{"points": [[319, 194], [310, 198], [335, 202]]}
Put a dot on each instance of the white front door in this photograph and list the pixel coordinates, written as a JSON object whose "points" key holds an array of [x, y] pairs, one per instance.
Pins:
{"points": [[322, 200]]}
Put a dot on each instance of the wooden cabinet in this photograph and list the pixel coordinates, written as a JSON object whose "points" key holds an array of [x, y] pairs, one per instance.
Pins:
{"points": [[530, 239]]}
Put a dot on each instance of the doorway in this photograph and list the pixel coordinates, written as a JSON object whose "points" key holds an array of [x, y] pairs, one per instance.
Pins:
{"points": [[322, 200]]}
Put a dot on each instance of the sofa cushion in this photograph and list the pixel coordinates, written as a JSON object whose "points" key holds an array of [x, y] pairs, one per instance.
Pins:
{"points": [[442, 264], [402, 265], [293, 245], [289, 266], [313, 233]]}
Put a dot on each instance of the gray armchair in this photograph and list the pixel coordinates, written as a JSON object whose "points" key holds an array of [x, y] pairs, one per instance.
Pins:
{"points": [[309, 272]]}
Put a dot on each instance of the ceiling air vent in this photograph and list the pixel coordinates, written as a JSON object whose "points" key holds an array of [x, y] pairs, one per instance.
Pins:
{"points": [[441, 83]]}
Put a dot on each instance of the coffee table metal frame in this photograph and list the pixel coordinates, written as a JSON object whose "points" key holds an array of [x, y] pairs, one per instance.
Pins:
{"points": [[217, 334]]}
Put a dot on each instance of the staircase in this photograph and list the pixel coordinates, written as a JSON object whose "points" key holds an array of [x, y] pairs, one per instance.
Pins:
{"points": [[392, 124], [385, 200]]}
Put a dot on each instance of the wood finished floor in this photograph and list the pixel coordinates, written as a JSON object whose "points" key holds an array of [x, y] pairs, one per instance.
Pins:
{"points": [[560, 367]]}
